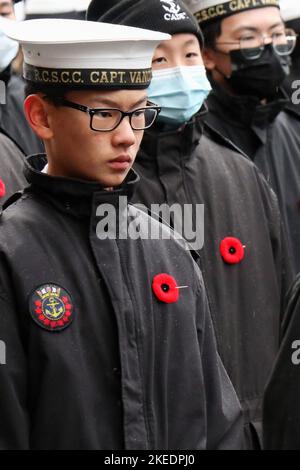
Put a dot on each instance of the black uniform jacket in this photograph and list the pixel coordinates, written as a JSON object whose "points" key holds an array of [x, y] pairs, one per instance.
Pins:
{"points": [[193, 166], [281, 401], [270, 135], [11, 167], [291, 86], [130, 371], [12, 116]]}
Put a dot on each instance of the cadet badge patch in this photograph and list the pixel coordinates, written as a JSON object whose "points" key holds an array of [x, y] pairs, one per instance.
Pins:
{"points": [[51, 307]]}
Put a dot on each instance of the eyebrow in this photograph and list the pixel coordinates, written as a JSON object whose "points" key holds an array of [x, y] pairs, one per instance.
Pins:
{"points": [[113, 104], [250, 28], [191, 42], [5, 4]]}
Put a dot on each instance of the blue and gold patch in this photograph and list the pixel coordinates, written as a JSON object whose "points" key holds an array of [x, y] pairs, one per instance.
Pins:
{"points": [[51, 307]]}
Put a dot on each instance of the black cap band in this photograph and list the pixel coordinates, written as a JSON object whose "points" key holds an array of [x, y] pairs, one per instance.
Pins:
{"points": [[222, 10], [88, 78]]}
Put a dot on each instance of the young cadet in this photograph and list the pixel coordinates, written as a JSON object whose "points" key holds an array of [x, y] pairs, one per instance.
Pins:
{"points": [[108, 337], [281, 410], [244, 260], [247, 53]]}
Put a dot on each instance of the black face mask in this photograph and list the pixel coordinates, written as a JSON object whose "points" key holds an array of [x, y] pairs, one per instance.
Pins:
{"points": [[5, 75], [260, 77]]}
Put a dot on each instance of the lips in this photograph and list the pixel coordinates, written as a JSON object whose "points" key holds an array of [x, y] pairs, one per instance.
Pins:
{"points": [[123, 162]]}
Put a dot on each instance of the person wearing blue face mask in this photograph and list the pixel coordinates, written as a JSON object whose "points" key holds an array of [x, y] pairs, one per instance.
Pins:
{"points": [[179, 83], [182, 161]]}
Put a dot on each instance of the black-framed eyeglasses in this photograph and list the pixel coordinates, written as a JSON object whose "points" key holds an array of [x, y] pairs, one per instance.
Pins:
{"points": [[253, 44], [108, 119]]}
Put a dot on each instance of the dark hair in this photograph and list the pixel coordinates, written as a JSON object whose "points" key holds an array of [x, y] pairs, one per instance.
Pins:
{"points": [[32, 88], [294, 24], [53, 93], [211, 32]]}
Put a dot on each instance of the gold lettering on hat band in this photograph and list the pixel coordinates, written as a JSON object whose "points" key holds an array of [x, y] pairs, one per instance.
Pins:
{"points": [[229, 8], [105, 78]]}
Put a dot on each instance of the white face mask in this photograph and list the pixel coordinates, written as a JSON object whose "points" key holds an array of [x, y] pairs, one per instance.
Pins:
{"points": [[8, 51]]}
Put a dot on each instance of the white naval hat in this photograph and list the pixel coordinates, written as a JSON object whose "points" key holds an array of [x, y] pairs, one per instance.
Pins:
{"points": [[85, 54], [290, 9], [209, 10], [44, 7]]}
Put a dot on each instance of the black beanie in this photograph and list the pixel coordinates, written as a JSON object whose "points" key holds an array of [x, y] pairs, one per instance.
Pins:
{"points": [[97, 8], [167, 16]]}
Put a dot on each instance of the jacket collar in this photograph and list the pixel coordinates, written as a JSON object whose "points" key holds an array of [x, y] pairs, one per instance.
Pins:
{"points": [[173, 144], [247, 110], [72, 195]]}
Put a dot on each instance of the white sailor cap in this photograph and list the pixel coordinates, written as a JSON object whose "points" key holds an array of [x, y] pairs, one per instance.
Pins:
{"points": [[290, 9], [44, 7], [210, 10], [85, 54]]}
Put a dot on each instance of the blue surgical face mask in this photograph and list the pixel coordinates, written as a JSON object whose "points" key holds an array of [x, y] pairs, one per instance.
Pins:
{"points": [[8, 51], [180, 92]]}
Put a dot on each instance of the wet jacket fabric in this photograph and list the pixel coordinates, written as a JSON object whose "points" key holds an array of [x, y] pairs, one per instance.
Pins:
{"points": [[198, 166], [291, 85], [270, 135], [12, 117], [11, 167], [281, 409], [122, 369]]}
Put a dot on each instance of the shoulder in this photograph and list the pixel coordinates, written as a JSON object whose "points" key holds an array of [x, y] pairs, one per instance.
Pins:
{"points": [[10, 154], [219, 139], [292, 306], [8, 146], [291, 112], [16, 86], [23, 215], [153, 224], [224, 156], [231, 168], [289, 119]]}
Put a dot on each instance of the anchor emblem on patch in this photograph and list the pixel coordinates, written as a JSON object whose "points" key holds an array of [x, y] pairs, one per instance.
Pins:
{"points": [[51, 307]]}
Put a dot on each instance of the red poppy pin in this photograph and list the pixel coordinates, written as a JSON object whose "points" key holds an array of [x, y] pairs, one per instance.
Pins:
{"points": [[232, 250], [2, 188], [51, 307], [165, 288]]}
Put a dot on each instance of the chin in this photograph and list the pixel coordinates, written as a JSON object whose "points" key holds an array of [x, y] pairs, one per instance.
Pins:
{"points": [[113, 181]]}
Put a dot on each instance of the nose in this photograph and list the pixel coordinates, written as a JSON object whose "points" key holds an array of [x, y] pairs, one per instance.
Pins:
{"points": [[124, 134], [267, 39]]}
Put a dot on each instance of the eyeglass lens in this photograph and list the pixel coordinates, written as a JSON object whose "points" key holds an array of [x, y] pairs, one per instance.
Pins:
{"points": [[253, 45], [108, 119]]}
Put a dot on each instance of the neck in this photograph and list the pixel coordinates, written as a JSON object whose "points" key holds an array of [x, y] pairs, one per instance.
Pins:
{"points": [[221, 79]]}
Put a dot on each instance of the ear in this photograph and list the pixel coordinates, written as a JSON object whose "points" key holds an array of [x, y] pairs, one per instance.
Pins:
{"points": [[209, 58], [37, 116]]}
